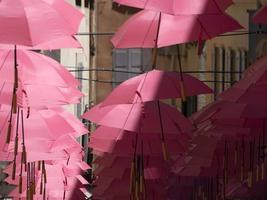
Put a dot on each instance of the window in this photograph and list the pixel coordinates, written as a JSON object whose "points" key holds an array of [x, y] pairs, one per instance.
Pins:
{"points": [[189, 106], [233, 66], [219, 70], [79, 3], [128, 63], [55, 54]]}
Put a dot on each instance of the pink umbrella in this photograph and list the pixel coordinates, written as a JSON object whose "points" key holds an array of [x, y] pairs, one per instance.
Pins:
{"points": [[168, 29], [56, 179], [179, 7], [46, 124], [146, 116], [116, 176], [34, 23], [260, 16], [35, 68], [63, 42], [30, 96], [107, 140], [155, 85]]}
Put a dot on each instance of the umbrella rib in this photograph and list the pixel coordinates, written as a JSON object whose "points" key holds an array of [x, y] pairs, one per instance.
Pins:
{"points": [[203, 28], [28, 25], [4, 60], [148, 30]]}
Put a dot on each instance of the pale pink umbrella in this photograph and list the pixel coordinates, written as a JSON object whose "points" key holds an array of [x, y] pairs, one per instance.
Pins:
{"points": [[179, 7], [56, 178], [115, 176], [106, 140], [155, 85], [168, 29], [35, 68], [30, 96], [31, 23], [42, 126], [63, 42], [146, 116], [49, 124], [260, 17]]}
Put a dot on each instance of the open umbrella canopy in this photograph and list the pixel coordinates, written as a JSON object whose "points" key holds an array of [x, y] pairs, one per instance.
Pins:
{"points": [[30, 95], [34, 68], [147, 117], [176, 144], [63, 42], [180, 7], [31, 23], [44, 130], [168, 29], [155, 85], [260, 17]]}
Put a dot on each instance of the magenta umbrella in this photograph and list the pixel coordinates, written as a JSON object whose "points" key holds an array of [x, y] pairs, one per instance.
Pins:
{"points": [[49, 124], [106, 140], [63, 42], [260, 16], [155, 85], [148, 116], [58, 177], [168, 29], [35, 68], [31, 23], [30, 96], [179, 7]]}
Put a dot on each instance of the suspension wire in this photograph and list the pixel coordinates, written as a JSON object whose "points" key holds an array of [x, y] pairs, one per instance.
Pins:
{"points": [[234, 33], [118, 82], [134, 72]]}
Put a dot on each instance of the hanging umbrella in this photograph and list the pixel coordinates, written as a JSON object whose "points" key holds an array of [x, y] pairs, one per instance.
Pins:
{"points": [[31, 23], [35, 68], [30, 96], [130, 117], [106, 140], [155, 85], [179, 7], [116, 174], [260, 16], [46, 124], [168, 29], [63, 42]]}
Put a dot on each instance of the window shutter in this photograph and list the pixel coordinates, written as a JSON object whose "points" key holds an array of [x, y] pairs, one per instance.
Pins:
{"points": [[120, 63]]}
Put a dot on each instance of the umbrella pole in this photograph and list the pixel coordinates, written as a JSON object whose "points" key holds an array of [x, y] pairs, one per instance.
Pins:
{"points": [[258, 160], [20, 176], [14, 103], [163, 143], [263, 151], [242, 174], [133, 169], [155, 50], [15, 148], [181, 75], [24, 155]]}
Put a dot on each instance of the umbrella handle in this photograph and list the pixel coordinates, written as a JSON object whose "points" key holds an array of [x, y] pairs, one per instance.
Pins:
{"points": [[20, 184], [182, 91], [164, 150], [262, 171], [8, 137], [131, 177], [155, 57], [14, 171]]}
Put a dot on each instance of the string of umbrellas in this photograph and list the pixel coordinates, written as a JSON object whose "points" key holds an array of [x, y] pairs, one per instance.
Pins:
{"points": [[38, 136], [146, 149]]}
